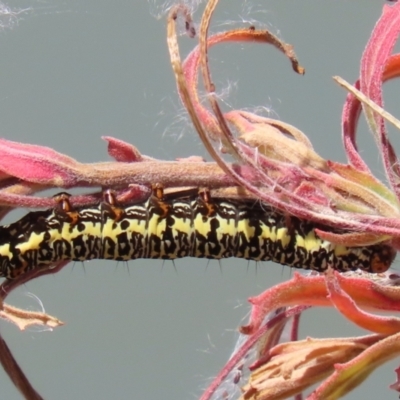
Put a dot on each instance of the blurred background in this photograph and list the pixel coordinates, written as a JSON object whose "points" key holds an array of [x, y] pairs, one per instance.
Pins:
{"points": [[73, 71]]}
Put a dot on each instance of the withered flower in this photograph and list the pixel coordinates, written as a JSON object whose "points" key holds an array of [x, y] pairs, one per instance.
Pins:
{"points": [[274, 163]]}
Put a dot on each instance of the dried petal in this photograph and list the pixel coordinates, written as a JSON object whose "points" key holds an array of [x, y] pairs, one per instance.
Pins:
{"points": [[311, 291], [295, 366], [351, 374], [24, 319]]}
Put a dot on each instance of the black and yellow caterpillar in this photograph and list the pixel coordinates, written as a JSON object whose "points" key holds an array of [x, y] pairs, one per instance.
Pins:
{"points": [[192, 226]]}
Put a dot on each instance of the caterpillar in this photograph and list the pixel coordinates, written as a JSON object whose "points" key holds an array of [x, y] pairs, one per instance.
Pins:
{"points": [[187, 226]]}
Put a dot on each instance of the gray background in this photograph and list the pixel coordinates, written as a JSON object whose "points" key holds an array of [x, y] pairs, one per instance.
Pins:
{"points": [[72, 71]]}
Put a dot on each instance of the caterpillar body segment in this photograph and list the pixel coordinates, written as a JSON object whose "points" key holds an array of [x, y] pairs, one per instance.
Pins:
{"points": [[192, 226]]}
